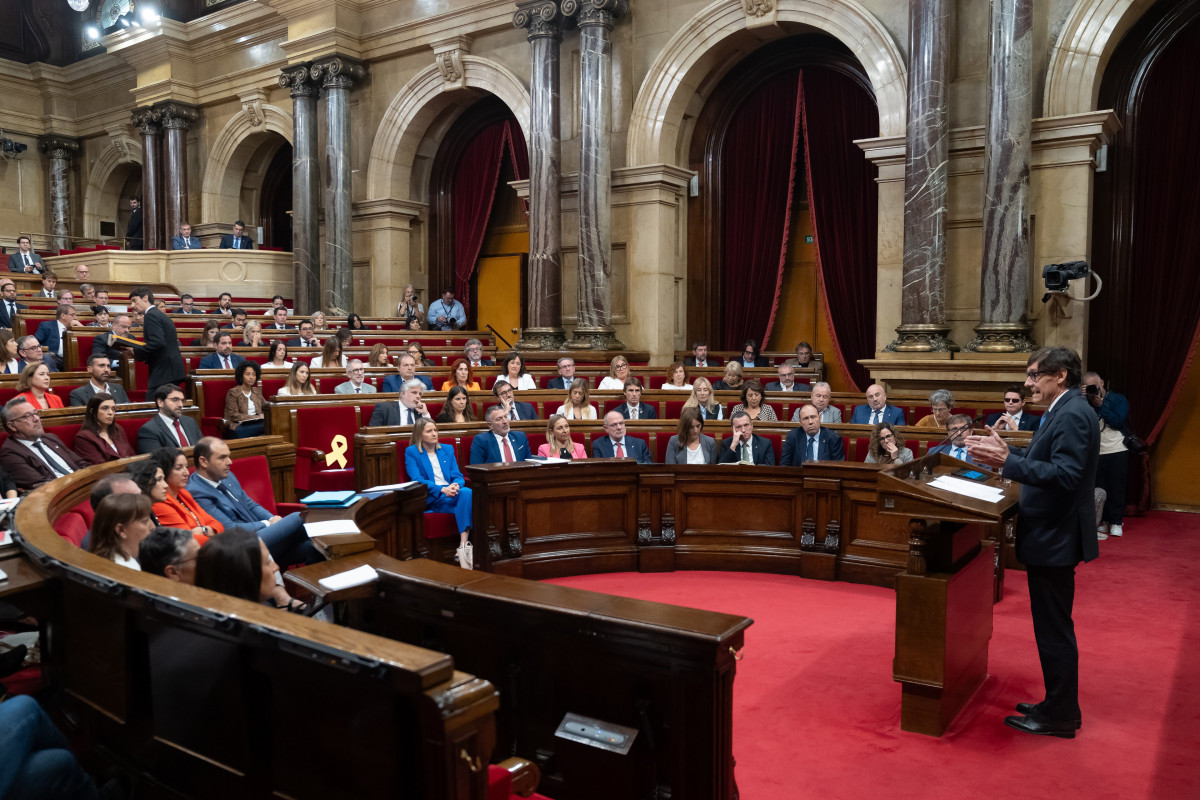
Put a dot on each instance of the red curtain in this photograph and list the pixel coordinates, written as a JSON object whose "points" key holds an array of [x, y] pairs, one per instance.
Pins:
{"points": [[475, 184], [757, 205], [843, 196]]}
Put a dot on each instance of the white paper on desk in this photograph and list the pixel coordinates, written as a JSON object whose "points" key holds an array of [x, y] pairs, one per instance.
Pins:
{"points": [[989, 494], [330, 527], [351, 577], [547, 460], [391, 487]]}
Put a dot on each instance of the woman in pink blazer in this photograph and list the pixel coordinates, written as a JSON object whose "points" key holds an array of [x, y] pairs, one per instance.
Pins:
{"points": [[558, 440]]}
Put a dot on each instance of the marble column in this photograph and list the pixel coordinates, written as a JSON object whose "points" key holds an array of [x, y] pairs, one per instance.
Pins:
{"points": [[146, 120], [923, 325], [1004, 280], [175, 118], [544, 329], [337, 76], [306, 188], [595, 19], [58, 150]]}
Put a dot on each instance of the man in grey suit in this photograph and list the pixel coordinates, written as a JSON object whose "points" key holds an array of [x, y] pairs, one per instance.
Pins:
{"points": [[185, 240], [169, 427], [25, 260], [1056, 527], [355, 371], [820, 398], [98, 365]]}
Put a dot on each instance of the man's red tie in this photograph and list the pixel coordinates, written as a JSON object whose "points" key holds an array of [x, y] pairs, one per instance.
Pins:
{"points": [[508, 453], [226, 360], [620, 450], [183, 440]]}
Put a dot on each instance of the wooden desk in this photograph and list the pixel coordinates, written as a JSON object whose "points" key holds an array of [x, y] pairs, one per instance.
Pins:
{"points": [[23, 576], [394, 519]]}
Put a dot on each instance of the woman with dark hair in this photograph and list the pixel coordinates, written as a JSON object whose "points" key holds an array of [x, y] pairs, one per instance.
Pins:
{"points": [[208, 336], [121, 522], [457, 407], [331, 354], [34, 386], [100, 317], [414, 324], [461, 375], [415, 350], [513, 370], [435, 466], [100, 438], [690, 445], [178, 509], [237, 563], [151, 479], [277, 356], [752, 403], [8, 352], [354, 322], [886, 447], [244, 402], [299, 381], [379, 357]]}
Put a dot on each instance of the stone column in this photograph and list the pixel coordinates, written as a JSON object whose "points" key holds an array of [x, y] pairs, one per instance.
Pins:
{"points": [[176, 118], [306, 188], [595, 19], [544, 330], [146, 121], [1004, 281], [59, 150], [338, 75], [923, 325]]}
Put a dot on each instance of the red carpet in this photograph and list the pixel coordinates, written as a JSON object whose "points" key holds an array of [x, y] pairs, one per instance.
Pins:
{"points": [[816, 713]]}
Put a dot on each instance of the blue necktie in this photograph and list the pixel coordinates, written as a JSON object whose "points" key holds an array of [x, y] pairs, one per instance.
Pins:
{"points": [[812, 449], [958, 453]]}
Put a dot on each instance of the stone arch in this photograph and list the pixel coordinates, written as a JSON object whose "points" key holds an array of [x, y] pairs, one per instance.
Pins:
{"points": [[1077, 62], [235, 147], [420, 114], [692, 62], [106, 175]]}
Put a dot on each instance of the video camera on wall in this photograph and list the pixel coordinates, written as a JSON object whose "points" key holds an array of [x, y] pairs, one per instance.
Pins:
{"points": [[1059, 276]]}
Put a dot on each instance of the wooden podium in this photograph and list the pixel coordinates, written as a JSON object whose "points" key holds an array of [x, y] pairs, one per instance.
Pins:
{"points": [[944, 596]]}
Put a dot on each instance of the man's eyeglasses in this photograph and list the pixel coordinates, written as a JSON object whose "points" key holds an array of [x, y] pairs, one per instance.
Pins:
{"points": [[960, 429], [1012, 399], [1033, 374], [30, 417]]}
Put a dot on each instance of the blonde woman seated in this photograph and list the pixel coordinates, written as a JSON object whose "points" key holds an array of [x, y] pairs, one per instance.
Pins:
{"points": [[299, 381], [941, 401], [379, 357], [122, 521], [702, 400], [457, 408], [752, 403], [732, 379], [618, 371], [277, 356], [462, 375], [677, 378], [252, 335], [689, 445], [559, 443], [886, 448], [577, 405], [435, 466], [34, 386], [319, 322], [331, 355]]}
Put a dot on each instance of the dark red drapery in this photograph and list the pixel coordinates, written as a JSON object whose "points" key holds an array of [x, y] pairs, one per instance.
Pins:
{"points": [[475, 185]]}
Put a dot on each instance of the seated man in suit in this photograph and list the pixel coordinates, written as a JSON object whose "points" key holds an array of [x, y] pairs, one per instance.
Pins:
{"points": [[355, 371], [30, 456], [959, 426], [877, 409], [187, 305], [745, 446], [616, 444], [306, 337], [107, 346], [500, 445], [24, 259], [406, 370], [169, 427], [473, 352], [29, 351], [787, 381], [700, 358], [223, 356], [217, 490], [1015, 417], [811, 442], [48, 290], [50, 332], [185, 240], [513, 408], [236, 241], [280, 321], [566, 374], [237, 319], [224, 304], [9, 307], [98, 365], [405, 411], [633, 407], [803, 357]]}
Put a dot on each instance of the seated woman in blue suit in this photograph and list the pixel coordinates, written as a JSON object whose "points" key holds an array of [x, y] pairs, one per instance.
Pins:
{"points": [[435, 466]]}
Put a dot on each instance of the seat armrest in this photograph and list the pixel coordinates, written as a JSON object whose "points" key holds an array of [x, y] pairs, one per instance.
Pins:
{"points": [[311, 453]]}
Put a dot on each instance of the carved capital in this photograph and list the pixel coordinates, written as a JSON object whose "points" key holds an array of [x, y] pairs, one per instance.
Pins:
{"points": [[338, 72], [146, 120], [758, 8], [448, 56], [298, 80], [541, 17], [57, 146], [600, 13], [176, 115], [252, 107]]}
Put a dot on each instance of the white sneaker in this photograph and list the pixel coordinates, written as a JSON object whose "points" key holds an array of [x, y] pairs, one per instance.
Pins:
{"points": [[1116, 530], [1101, 536], [1103, 527]]}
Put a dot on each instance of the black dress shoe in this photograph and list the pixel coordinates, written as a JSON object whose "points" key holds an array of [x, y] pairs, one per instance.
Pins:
{"points": [[1040, 726], [1029, 708]]}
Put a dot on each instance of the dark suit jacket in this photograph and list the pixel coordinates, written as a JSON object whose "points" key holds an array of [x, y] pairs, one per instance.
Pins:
{"points": [[192, 243], [213, 361], [155, 434], [5, 318], [764, 454], [244, 513], [387, 414], [47, 335], [556, 383], [81, 395], [227, 242], [133, 231], [524, 410], [26, 469], [948, 449], [795, 447], [712, 361], [49, 359], [634, 448], [392, 383], [100, 345], [1027, 422], [161, 350], [891, 415], [644, 411], [16, 263], [94, 450], [774, 386], [484, 449], [297, 343], [1056, 526]]}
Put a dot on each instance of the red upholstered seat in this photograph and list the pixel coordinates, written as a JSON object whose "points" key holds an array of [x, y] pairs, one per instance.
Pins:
{"points": [[254, 473], [66, 432], [271, 386], [316, 429], [776, 441], [141, 376], [861, 445], [131, 426], [210, 398], [434, 409], [75, 523], [611, 405], [673, 408], [7, 393], [462, 451], [438, 525]]}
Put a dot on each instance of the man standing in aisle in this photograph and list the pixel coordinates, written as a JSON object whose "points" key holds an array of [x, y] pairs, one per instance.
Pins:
{"points": [[160, 348]]}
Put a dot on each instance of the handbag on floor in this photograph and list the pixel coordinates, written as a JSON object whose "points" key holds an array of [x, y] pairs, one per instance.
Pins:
{"points": [[466, 556]]}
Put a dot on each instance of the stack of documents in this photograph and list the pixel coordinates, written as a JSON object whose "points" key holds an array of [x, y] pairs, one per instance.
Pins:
{"points": [[979, 491], [352, 577], [329, 499], [330, 527]]}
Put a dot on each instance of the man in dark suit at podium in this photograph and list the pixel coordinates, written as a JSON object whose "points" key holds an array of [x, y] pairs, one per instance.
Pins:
{"points": [[1056, 527], [235, 240]]}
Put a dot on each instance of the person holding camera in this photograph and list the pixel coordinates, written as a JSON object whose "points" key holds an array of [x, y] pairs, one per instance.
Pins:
{"points": [[1112, 472]]}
